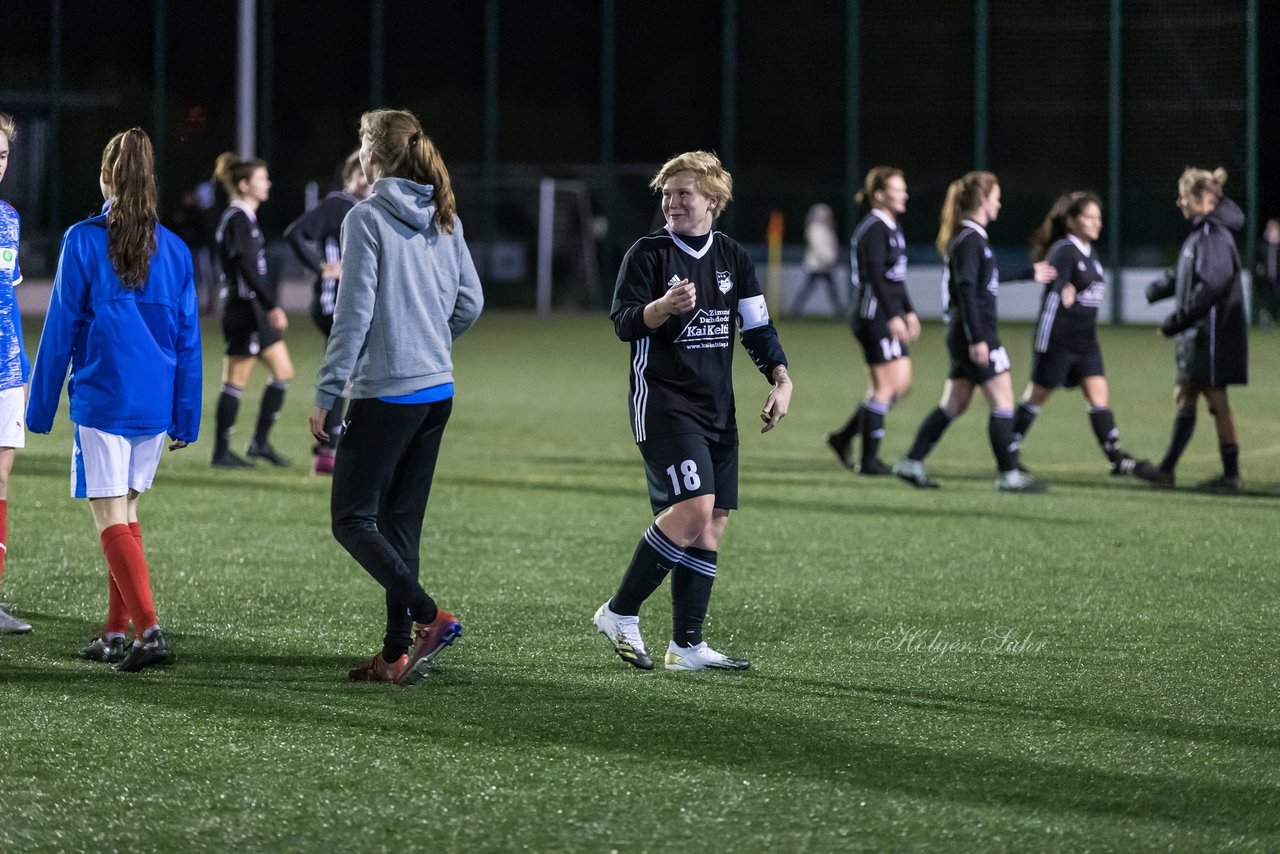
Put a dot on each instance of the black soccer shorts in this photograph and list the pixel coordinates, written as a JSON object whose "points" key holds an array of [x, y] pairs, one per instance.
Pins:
{"points": [[681, 467], [1061, 367]]}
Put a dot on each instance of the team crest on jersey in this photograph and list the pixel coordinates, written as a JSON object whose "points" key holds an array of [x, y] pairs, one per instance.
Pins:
{"points": [[709, 328], [724, 281], [1082, 267]]}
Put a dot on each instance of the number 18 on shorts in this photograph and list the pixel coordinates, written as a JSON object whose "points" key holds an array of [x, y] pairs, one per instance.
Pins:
{"points": [[678, 468]]}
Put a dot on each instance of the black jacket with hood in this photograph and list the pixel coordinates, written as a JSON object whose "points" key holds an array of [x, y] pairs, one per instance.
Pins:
{"points": [[1209, 319]]}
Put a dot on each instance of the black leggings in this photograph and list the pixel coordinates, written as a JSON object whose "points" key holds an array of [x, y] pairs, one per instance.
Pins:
{"points": [[381, 482]]}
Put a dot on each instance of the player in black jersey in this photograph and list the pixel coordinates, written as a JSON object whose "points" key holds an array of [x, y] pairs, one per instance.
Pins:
{"points": [[971, 283], [1065, 351], [321, 228], [884, 321], [681, 293], [252, 321], [1209, 322]]}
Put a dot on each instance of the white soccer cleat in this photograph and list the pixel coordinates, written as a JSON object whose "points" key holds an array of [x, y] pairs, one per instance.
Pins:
{"points": [[1019, 481], [701, 657], [11, 625], [624, 633]]}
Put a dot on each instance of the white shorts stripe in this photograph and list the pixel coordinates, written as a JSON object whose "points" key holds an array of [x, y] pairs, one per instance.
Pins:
{"points": [[640, 396], [104, 465]]}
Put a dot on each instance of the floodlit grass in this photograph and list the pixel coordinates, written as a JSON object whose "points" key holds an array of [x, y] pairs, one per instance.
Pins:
{"points": [[1092, 668]]}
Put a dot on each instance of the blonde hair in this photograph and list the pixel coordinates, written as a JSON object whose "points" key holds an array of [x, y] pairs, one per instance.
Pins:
{"points": [[396, 138], [128, 165], [964, 194], [709, 176], [1196, 182], [8, 127], [877, 179], [230, 171]]}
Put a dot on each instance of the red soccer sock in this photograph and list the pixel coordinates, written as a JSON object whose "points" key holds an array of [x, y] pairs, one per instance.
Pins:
{"points": [[130, 573], [4, 533]]}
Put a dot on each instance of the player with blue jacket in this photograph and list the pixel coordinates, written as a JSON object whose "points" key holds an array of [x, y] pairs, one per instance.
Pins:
{"points": [[14, 368], [124, 316]]}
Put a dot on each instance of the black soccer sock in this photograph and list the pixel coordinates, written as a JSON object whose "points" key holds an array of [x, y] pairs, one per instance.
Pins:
{"points": [[1103, 422], [1023, 418], [1230, 460], [873, 413], [225, 420], [931, 430], [691, 584], [1000, 431], [333, 422], [852, 427], [655, 556], [1184, 424], [272, 400]]}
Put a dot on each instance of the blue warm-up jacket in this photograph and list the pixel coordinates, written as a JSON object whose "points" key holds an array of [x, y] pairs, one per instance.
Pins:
{"points": [[134, 354]]}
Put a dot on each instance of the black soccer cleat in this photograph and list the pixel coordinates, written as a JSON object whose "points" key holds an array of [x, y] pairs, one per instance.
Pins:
{"points": [[1157, 477], [1221, 485], [874, 468], [111, 651], [842, 450], [152, 652], [230, 460], [264, 451]]}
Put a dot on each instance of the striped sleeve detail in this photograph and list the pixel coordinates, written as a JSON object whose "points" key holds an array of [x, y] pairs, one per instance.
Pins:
{"points": [[1045, 326], [640, 388]]}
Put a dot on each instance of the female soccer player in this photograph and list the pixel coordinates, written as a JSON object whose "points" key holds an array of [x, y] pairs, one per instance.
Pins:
{"points": [[252, 321], [971, 281], [409, 288], [125, 316], [884, 321], [14, 368], [1209, 322], [1065, 351], [680, 293], [322, 226]]}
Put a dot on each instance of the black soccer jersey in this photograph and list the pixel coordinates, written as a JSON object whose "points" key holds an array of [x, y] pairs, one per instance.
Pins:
{"points": [[879, 270], [971, 286], [1075, 328], [321, 228], [682, 372], [244, 257]]}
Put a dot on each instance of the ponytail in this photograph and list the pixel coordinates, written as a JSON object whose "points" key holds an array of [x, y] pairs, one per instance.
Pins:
{"points": [[229, 171], [963, 196], [1057, 223], [128, 167], [877, 179], [404, 150]]}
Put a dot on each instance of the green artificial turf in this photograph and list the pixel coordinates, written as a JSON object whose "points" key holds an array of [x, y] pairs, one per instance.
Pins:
{"points": [[1131, 705]]}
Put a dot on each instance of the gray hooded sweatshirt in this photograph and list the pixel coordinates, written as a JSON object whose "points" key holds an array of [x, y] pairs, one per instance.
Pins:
{"points": [[408, 290]]}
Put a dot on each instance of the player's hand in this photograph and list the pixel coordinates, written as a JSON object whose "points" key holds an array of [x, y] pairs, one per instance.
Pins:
{"points": [[316, 423], [278, 319], [679, 298], [1044, 272], [897, 329], [913, 326], [1068, 296], [331, 270], [979, 354], [778, 401], [177, 445]]}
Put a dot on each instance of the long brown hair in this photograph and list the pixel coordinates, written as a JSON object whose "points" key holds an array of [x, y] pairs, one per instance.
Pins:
{"points": [[963, 194], [229, 171], [128, 169], [1057, 223], [404, 150]]}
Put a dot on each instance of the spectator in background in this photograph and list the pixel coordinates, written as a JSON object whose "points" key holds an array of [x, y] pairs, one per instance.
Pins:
{"points": [[1266, 282], [821, 252]]}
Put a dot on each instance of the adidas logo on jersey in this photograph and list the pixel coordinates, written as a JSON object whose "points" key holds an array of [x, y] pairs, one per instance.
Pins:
{"points": [[672, 282]]}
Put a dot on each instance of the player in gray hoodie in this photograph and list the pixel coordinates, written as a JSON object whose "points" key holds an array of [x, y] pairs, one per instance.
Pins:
{"points": [[1209, 323], [409, 288]]}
